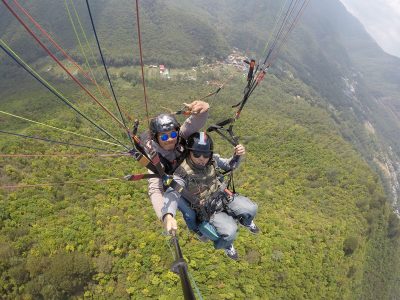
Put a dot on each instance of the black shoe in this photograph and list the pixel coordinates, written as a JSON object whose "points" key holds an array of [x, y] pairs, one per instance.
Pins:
{"points": [[231, 252], [252, 227]]}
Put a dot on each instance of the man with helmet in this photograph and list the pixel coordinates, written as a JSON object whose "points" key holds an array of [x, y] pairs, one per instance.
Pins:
{"points": [[212, 202], [166, 138]]}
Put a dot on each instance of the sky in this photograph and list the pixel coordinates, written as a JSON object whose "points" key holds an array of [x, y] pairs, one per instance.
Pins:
{"points": [[381, 18]]}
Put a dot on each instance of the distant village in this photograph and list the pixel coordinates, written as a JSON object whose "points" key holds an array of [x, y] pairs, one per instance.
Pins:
{"points": [[235, 59]]}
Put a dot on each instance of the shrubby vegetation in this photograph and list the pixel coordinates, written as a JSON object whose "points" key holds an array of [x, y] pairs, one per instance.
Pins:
{"points": [[326, 225]]}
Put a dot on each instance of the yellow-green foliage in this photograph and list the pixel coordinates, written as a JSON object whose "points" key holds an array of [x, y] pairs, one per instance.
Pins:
{"points": [[322, 211]]}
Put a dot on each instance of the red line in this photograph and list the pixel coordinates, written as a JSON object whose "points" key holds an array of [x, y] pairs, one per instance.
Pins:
{"points": [[85, 74], [63, 67], [141, 61]]}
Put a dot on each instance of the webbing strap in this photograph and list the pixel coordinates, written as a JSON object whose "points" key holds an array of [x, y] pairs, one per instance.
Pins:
{"points": [[230, 136]]}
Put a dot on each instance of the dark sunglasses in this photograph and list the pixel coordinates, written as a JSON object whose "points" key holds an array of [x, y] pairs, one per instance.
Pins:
{"points": [[165, 136], [204, 154]]}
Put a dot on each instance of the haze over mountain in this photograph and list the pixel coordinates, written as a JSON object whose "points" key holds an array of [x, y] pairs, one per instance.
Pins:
{"points": [[321, 126], [381, 19]]}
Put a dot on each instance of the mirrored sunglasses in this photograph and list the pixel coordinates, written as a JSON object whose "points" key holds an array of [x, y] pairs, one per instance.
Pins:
{"points": [[165, 136]]}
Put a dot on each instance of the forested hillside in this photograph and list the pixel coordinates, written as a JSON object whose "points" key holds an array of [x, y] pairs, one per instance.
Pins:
{"points": [[77, 230], [171, 36], [328, 50]]}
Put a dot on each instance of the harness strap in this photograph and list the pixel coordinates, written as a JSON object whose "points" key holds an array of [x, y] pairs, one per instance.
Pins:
{"points": [[229, 136]]}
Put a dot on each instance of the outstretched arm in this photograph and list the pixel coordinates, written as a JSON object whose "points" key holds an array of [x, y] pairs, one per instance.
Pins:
{"points": [[197, 120], [171, 198], [155, 191]]}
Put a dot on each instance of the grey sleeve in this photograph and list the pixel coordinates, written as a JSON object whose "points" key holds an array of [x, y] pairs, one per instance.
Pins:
{"points": [[193, 124], [155, 191], [227, 163], [171, 199]]}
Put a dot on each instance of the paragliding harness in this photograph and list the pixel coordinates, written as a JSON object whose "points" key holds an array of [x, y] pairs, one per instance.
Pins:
{"points": [[206, 206], [151, 160], [216, 203]]}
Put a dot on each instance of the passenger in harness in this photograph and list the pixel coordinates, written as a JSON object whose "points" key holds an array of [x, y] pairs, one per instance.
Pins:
{"points": [[167, 137], [212, 203]]}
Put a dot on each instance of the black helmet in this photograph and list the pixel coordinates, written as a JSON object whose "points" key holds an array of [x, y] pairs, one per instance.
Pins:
{"points": [[200, 142], [162, 123]]}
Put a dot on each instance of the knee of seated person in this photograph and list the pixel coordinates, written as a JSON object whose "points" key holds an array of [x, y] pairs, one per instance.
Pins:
{"points": [[253, 208], [231, 233]]}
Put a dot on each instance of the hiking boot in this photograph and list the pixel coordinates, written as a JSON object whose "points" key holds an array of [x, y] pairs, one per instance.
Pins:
{"points": [[231, 252], [252, 228]]}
